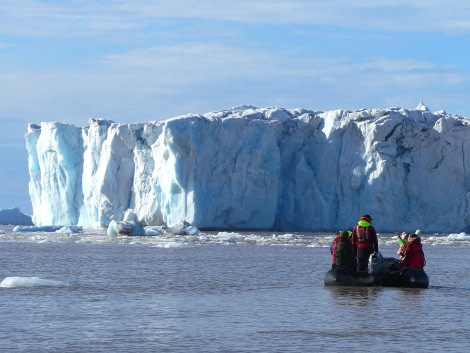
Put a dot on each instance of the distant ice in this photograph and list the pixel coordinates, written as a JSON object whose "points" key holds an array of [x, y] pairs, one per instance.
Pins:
{"points": [[58, 229], [14, 216], [19, 282], [459, 236]]}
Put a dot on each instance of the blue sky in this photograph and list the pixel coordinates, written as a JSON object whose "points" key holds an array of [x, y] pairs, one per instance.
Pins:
{"points": [[136, 61]]}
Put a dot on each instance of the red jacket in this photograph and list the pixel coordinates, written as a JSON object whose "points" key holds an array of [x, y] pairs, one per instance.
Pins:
{"points": [[364, 237], [414, 255]]}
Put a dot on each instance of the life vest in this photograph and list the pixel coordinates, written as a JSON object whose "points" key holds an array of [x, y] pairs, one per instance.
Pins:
{"points": [[365, 236]]}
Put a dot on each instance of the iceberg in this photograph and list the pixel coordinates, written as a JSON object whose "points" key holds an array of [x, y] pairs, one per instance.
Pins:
{"points": [[248, 168], [48, 229], [20, 282], [12, 216]]}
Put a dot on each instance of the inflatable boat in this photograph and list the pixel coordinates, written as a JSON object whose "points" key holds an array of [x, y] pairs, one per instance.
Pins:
{"points": [[381, 272], [393, 276]]}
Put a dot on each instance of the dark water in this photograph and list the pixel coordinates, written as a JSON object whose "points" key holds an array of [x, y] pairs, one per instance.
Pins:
{"points": [[221, 297]]}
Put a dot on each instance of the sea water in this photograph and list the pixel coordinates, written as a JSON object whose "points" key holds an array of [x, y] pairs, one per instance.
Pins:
{"points": [[221, 292]]}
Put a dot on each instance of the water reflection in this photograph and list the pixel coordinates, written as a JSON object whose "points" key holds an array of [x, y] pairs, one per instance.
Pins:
{"points": [[411, 293], [360, 296]]}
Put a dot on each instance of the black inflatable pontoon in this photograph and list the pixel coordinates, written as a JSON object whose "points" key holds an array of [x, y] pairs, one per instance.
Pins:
{"points": [[343, 276], [381, 272]]}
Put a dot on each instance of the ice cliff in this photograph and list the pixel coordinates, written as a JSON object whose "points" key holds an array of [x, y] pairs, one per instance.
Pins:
{"points": [[259, 169]]}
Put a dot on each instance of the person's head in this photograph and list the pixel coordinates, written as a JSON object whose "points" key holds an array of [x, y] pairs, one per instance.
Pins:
{"points": [[366, 218], [412, 236], [344, 234], [403, 236]]}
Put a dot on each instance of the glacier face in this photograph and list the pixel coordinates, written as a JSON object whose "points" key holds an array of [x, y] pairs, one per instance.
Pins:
{"points": [[258, 169]]}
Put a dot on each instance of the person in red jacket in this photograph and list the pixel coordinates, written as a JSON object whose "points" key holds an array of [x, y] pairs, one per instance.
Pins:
{"points": [[364, 242], [413, 255]]}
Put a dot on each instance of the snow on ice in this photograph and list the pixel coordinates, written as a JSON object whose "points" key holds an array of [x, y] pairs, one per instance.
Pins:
{"points": [[257, 169]]}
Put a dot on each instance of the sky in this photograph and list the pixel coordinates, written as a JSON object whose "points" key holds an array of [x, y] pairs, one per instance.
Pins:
{"points": [[147, 60]]}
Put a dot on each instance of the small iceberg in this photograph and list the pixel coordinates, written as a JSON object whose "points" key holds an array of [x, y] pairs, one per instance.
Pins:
{"points": [[14, 216], [48, 229], [131, 226], [20, 282]]}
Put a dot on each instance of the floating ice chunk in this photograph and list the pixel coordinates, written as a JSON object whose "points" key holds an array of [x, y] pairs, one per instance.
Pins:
{"points": [[458, 236], [18, 282], [70, 229], [112, 228], [36, 228], [48, 229], [227, 236], [125, 228], [173, 245], [153, 230]]}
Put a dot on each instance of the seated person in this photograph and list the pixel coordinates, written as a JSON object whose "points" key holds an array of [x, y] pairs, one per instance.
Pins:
{"points": [[342, 251], [413, 255]]}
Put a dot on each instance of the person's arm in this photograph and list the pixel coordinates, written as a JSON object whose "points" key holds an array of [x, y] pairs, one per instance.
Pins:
{"points": [[400, 240]]}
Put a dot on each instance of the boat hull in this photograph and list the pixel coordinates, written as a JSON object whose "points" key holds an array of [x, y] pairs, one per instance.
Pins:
{"points": [[390, 276], [409, 277], [341, 276]]}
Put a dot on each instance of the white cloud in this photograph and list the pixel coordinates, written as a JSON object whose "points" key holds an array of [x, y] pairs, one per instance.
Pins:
{"points": [[160, 82], [84, 18], [196, 61], [217, 65]]}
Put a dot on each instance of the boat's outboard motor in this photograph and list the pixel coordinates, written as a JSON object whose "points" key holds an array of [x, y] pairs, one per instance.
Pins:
{"points": [[376, 263]]}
